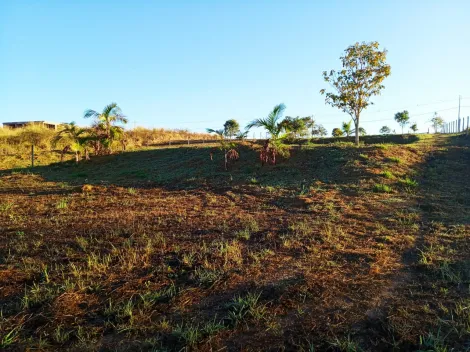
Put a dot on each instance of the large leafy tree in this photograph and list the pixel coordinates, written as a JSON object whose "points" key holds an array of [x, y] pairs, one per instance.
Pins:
{"points": [[296, 126], [106, 124], [403, 119], [231, 128], [437, 122], [361, 78]]}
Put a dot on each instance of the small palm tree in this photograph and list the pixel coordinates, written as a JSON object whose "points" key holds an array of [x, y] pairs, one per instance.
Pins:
{"points": [[228, 147], [347, 128], [74, 134], [106, 124], [272, 124], [242, 135], [220, 133]]}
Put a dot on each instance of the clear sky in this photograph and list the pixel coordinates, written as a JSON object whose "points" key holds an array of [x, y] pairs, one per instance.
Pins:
{"points": [[195, 64]]}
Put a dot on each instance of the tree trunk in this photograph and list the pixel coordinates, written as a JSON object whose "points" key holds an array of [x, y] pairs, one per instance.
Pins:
{"points": [[87, 155], [357, 134], [77, 156]]}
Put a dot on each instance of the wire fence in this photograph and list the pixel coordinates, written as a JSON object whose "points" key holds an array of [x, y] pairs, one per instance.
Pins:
{"points": [[34, 155]]}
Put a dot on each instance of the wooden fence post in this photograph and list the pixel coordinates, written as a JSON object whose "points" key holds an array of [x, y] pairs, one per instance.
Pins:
{"points": [[32, 155]]}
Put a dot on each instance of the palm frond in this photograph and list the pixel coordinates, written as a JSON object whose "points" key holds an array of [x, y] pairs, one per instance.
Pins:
{"points": [[219, 132], [90, 113], [120, 118], [271, 122], [111, 109]]}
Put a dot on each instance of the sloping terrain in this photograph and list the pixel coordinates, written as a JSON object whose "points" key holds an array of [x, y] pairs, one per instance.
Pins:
{"points": [[337, 248]]}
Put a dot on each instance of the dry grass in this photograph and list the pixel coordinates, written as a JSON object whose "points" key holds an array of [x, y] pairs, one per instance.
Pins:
{"points": [[308, 257], [15, 144]]}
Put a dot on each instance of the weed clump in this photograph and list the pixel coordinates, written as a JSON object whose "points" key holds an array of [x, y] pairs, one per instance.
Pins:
{"points": [[408, 182], [388, 174], [394, 159], [381, 188]]}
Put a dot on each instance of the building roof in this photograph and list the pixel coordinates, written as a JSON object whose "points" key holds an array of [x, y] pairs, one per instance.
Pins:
{"points": [[26, 122]]}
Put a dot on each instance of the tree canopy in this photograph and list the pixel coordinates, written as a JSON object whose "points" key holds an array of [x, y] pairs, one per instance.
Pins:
{"points": [[231, 128], [385, 130], [106, 124], [361, 78], [437, 122], [296, 126], [319, 130], [403, 119], [337, 132]]}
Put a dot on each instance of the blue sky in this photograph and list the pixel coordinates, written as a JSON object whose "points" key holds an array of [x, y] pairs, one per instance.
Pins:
{"points": [[195, 64]]}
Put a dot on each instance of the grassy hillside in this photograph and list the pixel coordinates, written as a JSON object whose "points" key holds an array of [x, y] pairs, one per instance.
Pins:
{"points": [[337, 248], [15, 144]]}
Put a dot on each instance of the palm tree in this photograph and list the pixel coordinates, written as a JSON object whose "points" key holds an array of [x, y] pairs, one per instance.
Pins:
{"points": [[271, 123], [347, 128], [220, 133], [76, 135], [227, 147], [106, 121], [242, 135]]}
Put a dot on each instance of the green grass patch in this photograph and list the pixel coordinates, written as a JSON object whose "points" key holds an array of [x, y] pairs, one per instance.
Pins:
{"points": [[408, 182], [381, 188], [388, 174], [394, 159], [363, 157]]}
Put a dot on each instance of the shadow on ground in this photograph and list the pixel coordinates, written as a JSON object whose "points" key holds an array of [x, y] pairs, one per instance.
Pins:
{"points": [[418, 309], [192, 167]]}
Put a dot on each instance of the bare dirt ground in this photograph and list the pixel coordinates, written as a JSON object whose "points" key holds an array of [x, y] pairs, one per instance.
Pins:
{"points": [[338, 248]]}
